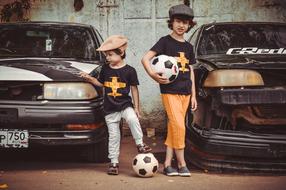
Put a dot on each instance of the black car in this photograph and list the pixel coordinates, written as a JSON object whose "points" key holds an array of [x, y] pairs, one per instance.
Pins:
{"points": [[240, 123], [43, 99]]}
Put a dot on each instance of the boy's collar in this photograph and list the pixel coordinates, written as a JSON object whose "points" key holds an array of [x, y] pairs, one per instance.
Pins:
{"points": [[117, 67], [183, 39]]}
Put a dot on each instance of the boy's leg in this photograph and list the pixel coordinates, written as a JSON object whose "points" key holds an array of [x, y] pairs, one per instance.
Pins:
{"points": [[133, 122], [168, 169], [113, 121], [182, 166], [169, 156], [180, 153], [175, 109]]}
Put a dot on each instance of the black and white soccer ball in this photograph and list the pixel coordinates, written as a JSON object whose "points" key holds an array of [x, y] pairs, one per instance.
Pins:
{"points": [[145, 165], [166, 65]]}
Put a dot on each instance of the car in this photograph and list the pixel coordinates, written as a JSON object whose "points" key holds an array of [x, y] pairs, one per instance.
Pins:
{"points": [[43, 99], [240, 74]]}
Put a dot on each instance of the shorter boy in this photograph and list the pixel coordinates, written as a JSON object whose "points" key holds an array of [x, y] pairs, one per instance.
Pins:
{"points": [[118, 78]]}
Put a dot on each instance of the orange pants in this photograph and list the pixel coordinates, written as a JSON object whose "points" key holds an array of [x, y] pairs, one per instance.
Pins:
{"points": [[176, 107]]}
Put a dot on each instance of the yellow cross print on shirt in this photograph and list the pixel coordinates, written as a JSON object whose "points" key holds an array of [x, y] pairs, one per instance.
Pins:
{"points": [[183, 61], [114, 85]]}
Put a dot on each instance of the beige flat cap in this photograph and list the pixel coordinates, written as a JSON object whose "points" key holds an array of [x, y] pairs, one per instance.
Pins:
{"points": [[114, 42]]}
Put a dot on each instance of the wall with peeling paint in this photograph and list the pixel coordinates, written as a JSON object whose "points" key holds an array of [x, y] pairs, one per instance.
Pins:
{"points": [[144, 22]]}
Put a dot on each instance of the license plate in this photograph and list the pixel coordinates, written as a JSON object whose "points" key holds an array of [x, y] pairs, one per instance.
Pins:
{"points": [[13, 138]]}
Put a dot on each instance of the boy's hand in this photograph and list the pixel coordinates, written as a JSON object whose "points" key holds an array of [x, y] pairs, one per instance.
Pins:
{"points": [[85, 76], [194, 103], [137, 111], [157, 77], [90, 79]]}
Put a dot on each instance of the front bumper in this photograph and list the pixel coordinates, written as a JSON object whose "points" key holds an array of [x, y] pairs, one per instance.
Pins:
{"points": [[62, 137], [51, 112], [222, 150], [65, 137], [46, 121]]}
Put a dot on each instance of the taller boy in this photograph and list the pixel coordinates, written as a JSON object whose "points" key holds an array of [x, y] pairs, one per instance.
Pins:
{"points": [[176, 95]]}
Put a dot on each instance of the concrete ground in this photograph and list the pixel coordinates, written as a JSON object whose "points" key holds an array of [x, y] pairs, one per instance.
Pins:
{"points": [[59, 170]]}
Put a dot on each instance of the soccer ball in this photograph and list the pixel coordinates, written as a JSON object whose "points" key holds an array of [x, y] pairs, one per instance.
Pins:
{"points": [[166, 65], [145, 165]]}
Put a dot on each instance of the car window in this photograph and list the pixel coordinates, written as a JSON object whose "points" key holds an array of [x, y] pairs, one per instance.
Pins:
{"points": [[47, 41], [218, 39]]}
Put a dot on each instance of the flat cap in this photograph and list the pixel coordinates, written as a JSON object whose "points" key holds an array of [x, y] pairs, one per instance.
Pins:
{"points": [[114, 42], [181, 10]]}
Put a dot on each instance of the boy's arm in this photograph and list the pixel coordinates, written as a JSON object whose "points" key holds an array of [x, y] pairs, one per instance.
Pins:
{"points": [[91, 79], [146, 63], [96, 82], [193, 98], [135, 96], [193, 81]]}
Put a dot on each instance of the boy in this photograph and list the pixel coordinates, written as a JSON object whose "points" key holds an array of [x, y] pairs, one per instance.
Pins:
{"points": [[176, 95], [118, 78]]}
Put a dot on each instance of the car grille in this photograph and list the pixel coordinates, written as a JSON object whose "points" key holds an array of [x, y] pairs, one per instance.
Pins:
{"points": [[26, 91]]}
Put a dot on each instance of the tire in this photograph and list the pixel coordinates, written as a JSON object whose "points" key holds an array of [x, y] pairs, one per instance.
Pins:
{"points": [[96, 152]]}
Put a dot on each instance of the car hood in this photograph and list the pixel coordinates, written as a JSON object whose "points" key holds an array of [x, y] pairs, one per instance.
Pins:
{"points": [[43, 69], [244, 61]]}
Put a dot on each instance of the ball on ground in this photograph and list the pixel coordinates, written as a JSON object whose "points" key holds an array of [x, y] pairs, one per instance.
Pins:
{"points": [[145, 165]]}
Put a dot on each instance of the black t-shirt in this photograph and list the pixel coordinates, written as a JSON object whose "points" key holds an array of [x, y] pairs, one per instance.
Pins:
{"points": [[183, 52], [117, 84]]}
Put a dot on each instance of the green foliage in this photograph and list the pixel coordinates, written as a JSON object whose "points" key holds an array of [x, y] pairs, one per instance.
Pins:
{"points": [[18, 8]]}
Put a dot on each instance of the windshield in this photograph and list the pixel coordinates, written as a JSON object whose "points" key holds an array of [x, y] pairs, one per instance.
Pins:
{"points": [[243, 39], [47, 41]]}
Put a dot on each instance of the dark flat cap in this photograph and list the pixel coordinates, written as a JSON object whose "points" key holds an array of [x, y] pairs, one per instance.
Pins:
{"points": [[181, 10]]}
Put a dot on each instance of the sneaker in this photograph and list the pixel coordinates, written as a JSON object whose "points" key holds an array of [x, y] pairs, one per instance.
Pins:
{"points": [[113, 169], [143, 148], [184, 172], [170, 171]]}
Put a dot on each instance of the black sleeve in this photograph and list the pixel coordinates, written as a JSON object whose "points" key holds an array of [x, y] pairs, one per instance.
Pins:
{"points": [[101, 75], [133, 79], [159, 46]]}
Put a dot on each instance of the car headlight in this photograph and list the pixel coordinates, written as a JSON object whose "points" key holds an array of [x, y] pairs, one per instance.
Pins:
{"points": [[69, 91], [233, 77]]}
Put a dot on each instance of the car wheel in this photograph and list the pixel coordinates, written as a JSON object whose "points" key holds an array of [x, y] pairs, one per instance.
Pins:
{"points": [[96, 152], [99, 152]]}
